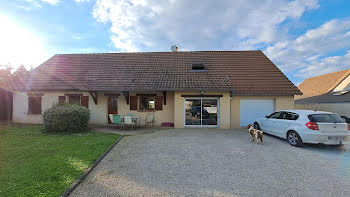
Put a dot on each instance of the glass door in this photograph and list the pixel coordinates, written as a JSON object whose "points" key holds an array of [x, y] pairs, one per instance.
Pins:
{"points": [[193, 112], [112, 106], [209, 111], [201, 112]]}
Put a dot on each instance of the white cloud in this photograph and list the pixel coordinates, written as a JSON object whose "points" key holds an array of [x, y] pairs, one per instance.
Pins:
{"points": [[37, 2], [197, 24], [81, 1], [77, 37], [53, 2], [308, 54], [20, 46]]}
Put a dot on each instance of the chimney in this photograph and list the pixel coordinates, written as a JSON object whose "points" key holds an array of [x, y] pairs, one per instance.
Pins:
{"points": [[174, 48]]}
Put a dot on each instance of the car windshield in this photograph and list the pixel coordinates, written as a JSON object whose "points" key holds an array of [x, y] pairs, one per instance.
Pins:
{"points": [[326, 118]]}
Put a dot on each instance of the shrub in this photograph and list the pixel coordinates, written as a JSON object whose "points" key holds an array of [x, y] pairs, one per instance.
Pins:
{"points": [[66, 118]]}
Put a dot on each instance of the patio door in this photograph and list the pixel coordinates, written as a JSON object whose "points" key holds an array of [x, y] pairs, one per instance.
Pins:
{"points": [[201, 112], [112, 106]]}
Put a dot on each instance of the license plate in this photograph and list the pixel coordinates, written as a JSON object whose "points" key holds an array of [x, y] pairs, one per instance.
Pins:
{"points": [[336, 137]]}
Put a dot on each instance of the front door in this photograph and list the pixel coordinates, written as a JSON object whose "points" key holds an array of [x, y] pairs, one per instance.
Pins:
{"points": [[112, 106]]}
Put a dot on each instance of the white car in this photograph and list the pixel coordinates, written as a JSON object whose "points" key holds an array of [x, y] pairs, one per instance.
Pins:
{"points": [[306, 126]]}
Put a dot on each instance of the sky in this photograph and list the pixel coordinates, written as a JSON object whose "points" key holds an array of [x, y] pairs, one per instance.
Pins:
{"points": [[304, 38]]}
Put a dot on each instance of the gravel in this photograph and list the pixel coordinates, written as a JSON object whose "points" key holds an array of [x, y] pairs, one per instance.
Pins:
{"points": [[212, 162]]}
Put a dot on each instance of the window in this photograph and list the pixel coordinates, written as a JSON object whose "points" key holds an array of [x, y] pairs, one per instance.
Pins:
{"points": [[275, 115], [146, 103], [198, 67], [74, 99], [78, 99], [289, 116], [34, 104], [326, 118]]}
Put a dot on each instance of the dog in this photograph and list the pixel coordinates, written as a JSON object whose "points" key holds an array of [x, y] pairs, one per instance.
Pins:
{"points": [[255, 134]]}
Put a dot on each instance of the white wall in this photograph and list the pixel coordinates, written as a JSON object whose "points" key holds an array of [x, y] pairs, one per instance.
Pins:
{"points": [[98, 112], [342, 109], [20, 110], [20, 107]]}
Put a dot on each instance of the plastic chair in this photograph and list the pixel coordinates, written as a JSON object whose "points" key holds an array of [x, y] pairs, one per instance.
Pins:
{"points": [[128, 121], [117, 119], [130, 114], [111, 118]]}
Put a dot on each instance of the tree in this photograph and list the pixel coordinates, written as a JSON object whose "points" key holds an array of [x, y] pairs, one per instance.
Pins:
{"points": [[21, 71], [5, 72]]}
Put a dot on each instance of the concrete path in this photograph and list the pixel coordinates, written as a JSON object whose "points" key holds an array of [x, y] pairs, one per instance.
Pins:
{"points": [[127, 131], [211, 162]]}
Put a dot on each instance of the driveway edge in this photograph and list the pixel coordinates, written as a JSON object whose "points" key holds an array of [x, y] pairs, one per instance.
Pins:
{"points": [[75, 184]]}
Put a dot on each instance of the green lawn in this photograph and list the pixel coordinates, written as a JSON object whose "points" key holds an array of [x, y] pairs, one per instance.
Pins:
{"points": [[33, 163]]}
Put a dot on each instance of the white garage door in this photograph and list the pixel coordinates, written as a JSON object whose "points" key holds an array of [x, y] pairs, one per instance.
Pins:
{"points": [[252, 109]]}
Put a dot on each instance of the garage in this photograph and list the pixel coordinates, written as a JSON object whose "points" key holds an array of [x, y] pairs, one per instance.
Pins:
{"points": [[252, 109]]}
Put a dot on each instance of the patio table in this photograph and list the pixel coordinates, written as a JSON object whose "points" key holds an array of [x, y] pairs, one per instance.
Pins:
{"points": [[135, 119]]}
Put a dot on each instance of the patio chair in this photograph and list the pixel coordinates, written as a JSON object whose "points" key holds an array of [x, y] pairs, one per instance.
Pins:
{"points": [[117, 120], [128, 121], [111, 118], [149, 118]]}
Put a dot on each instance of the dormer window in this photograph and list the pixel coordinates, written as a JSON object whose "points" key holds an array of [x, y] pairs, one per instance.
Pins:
{"points": [[198, 68]]}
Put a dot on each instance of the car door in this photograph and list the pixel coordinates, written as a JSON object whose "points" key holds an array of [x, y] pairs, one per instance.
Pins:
{"points": [[283, 123], [268, 124]]}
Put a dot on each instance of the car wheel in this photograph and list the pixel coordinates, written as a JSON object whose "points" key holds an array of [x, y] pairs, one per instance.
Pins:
{"points": [[294, 139], [256, 126]]}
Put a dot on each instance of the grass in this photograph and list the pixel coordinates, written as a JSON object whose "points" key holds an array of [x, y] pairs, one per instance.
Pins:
{"points": [[33, 163]]}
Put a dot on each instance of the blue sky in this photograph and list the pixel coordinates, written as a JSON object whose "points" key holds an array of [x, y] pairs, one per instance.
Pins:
{"points": [[304, 38]]}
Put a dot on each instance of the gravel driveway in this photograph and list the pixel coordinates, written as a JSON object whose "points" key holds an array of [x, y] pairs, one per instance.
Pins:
{"points": [[211, 162]]}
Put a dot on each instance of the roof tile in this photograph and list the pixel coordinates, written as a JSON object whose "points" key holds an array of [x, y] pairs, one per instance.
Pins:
{"points": [[243, 72], [321, 84]]}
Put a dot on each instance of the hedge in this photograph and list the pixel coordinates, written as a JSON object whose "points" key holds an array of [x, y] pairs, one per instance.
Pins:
{"points": [[66, 118]]}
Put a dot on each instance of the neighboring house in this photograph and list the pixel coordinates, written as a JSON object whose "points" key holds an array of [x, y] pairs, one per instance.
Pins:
{"points": [[330, 92], [230, 88]]}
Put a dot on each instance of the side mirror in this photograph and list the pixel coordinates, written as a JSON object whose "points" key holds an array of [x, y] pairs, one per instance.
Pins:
{"points": [[266, 116]]}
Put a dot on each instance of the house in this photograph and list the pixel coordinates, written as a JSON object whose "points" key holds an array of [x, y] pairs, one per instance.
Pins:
{"points": [[225, 89], [328, 92]]}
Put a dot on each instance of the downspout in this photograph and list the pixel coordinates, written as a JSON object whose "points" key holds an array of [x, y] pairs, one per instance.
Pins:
{"points": [[231, 94]]}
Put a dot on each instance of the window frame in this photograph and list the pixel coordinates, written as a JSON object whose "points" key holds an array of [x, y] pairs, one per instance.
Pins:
{"points": [[147, 103], [73, 95]]}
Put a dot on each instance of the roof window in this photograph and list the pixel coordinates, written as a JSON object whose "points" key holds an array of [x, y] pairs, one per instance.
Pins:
{"points": [[198, 68]]}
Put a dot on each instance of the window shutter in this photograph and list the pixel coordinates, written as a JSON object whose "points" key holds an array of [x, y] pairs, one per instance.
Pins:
{"points": [[34, 105], [61, 99], [38, 105], [30, 104], [85, 101], [159, 103], [133, 102]]}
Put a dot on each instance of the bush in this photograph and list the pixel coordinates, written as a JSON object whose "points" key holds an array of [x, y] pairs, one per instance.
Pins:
{"points": [[66, 118]]}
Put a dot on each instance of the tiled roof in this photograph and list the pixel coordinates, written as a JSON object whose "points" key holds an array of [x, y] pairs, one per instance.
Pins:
{"points": [[322, 84], [325, 98], [243, 72]]}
